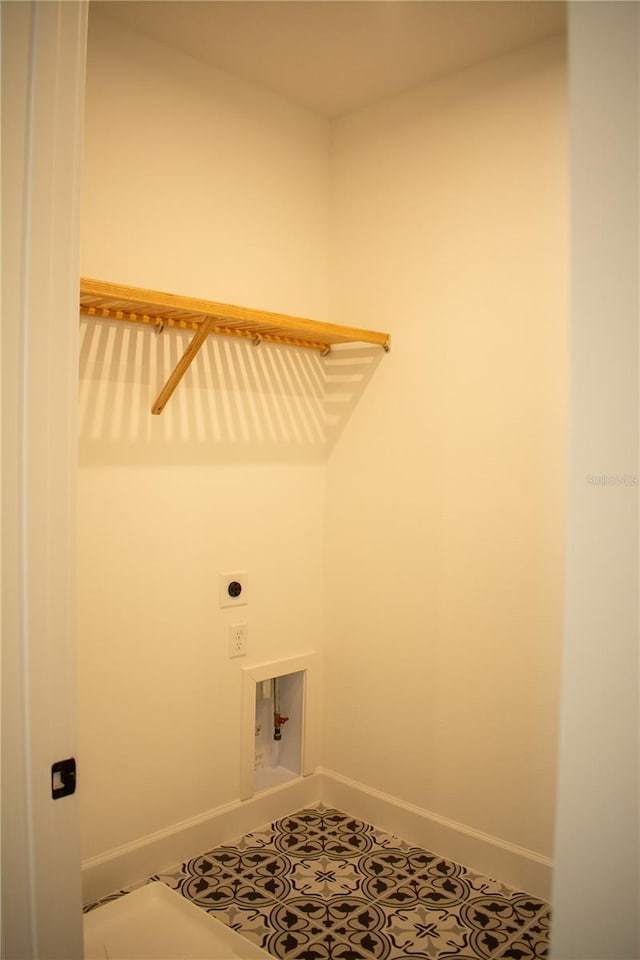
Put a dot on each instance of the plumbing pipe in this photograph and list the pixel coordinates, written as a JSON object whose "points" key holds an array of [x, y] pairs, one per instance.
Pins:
{"points": [[278, 719]]}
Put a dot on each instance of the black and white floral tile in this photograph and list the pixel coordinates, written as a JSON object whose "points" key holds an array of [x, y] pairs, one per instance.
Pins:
{"points": [[321, 885]]}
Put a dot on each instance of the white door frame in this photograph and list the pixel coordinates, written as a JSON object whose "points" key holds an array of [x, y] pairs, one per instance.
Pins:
{"points": [[43, 74]]}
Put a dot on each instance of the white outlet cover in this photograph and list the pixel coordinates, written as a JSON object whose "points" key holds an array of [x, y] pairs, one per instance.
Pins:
{"points": [[238, 640], [229, 595]]}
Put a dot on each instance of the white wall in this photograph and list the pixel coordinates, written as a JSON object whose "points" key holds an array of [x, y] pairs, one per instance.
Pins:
{"points": [[445, 496], [597, 888], [444, 511], [202, 185]]}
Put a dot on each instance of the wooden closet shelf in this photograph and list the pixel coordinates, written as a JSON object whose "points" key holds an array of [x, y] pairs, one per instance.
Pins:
{"points": [[114, 301], [134, 305]]}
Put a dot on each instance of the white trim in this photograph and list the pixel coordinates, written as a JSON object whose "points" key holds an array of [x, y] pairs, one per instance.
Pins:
{"points": [[516, 866], [133, 862], [596, 891], [43, 65]]}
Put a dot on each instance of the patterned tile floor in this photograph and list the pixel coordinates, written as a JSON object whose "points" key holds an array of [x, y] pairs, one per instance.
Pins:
{"points": [[321, 885]]}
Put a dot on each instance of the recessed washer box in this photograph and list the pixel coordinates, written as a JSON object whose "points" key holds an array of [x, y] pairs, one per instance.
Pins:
{"points": [[265, 762], [234, 589]]}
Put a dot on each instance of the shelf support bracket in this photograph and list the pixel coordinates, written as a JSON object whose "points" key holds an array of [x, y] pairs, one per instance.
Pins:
{"points": [[183, 364]]}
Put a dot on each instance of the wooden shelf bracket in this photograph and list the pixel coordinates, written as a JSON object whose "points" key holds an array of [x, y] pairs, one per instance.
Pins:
{"points": [[183, 365]]}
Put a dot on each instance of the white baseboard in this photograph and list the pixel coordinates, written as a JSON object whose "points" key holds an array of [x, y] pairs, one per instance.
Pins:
{"points": [[133, 862], [513, 865], [516, 866]]}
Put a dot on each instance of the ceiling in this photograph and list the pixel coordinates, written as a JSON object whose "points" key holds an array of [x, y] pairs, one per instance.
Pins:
{"points": [[335, 56]]}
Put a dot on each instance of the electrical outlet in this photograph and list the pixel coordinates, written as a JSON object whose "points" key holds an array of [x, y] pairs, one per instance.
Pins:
{"points": [[233, 589], [238, 640]]}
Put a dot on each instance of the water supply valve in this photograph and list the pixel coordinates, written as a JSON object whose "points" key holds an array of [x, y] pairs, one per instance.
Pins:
{"points": [[278, 721]]}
